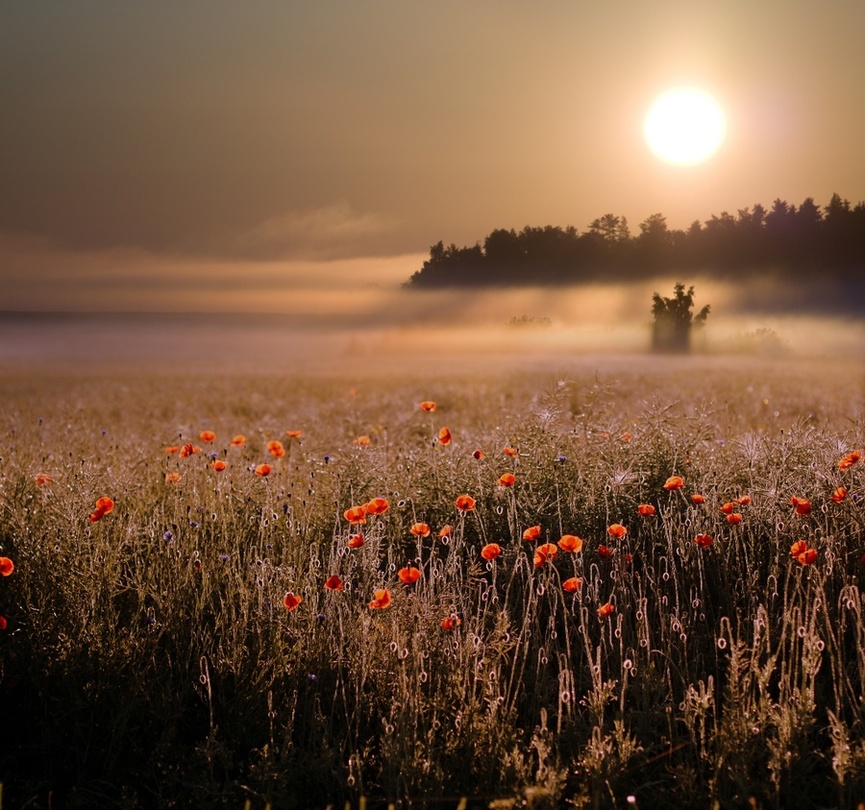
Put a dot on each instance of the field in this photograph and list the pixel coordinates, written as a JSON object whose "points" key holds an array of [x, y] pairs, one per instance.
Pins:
{"points": [[682, 626]]}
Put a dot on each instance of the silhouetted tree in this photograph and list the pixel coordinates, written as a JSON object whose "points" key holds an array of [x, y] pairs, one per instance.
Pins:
{"points": [[671, 331]]}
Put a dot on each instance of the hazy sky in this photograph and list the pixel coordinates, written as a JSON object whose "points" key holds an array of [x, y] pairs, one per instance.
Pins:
{"points": [[179, 134]]}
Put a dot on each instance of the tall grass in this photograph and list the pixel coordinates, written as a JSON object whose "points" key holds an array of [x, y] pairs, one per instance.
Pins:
{"points": [[149, 660]]}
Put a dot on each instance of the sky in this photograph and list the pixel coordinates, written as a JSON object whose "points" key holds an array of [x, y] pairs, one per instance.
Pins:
{"points": [[234, 156]]}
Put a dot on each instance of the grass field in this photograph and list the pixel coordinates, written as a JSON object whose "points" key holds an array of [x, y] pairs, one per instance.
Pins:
{"points": [[188, 645]]}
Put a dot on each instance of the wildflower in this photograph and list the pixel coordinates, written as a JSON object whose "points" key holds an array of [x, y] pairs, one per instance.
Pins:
{"points": [[743, 500], [807, 557], [645, 510], [333, 583], [571, 543], [703, 540], [207, 436], [625, 437], [188, 449], [276, 449], [3, 623], [478, 454], [532, 533], [409, 574], [218, 464], [172, 478], [238, 441], [507, 480], [355, 514], [605, 551], [446, 531], [380, 598], [196, 565], [355, 540], [572, 584], [445, 436], [291, 601], [734, 519], [606, 609], [428, 405], [420, 529], [41, 480], [802, 505], [544, 553], [728, 508], [491, 551], [698, 499], [362, 441], [6, 566], [674, 482], [510, 451], [172, 448], [617, 530], [263, 470], [798, 548], [294, 434], [377, 506], [465, 503], [849, 460], [839, 494], [103, 506], [451, 622]]}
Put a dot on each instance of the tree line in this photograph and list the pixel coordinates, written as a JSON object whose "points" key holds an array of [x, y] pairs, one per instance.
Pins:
{"points": [[794, 240]]}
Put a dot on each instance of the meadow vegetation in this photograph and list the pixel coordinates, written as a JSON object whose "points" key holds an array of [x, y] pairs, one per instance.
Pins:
{"points": [[684, 624]]}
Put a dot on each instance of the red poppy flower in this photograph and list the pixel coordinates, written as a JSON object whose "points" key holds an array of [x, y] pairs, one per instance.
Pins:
{"points": [[807, 557], [532, 533], [491, 551], [703, 540], [218, 464], [172, 448], [465, 503], [188, 449], [103, 506], [572, 584], [377, 506], [645, 510], [698, 499], [446, 531], [263, 470], [276, 449], [294, 434], [42, 479], [3, 623], [625, 437], [333, 583], [450, 623], [798, 547], [207, 436], [507, 480], [355, 514], [839, 494], [802, 505], [734, 519], [743, 500], [728, 508], [291, 601], [362, 441], [674, 482], [849, 460], [605, 551], [606, 609], [544, 553], [428, 405], [445, 436], [380, 599], [355, 540], [478, 454], [510, 451], [409, 574], [617, 530], [6, 566], [172, 478], [571, 543], [420, 529], [238, 441]]}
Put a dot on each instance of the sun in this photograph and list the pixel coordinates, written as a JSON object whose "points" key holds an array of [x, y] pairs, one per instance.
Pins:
{"points": [[684, 126]]}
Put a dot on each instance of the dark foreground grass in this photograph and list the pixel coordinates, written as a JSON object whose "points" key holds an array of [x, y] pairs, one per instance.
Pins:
{"points": [[149, 660]]}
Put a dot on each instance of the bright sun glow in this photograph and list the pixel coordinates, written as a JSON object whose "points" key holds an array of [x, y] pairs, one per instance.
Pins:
{"points": [[684, 126]]}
